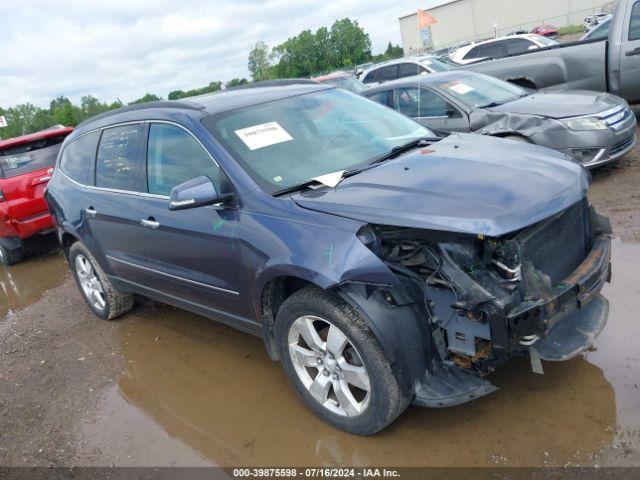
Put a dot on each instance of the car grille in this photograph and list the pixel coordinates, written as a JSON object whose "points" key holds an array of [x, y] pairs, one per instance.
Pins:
{"points": [[617, 117], [621, 145], [558, 245]]}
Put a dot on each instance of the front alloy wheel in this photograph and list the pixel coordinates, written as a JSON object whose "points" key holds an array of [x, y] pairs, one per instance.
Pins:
{"points": [[329, 366]]}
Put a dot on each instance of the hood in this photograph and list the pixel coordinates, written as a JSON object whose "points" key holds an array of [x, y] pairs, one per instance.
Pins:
{"points": [[562, 104], [466, 183]]}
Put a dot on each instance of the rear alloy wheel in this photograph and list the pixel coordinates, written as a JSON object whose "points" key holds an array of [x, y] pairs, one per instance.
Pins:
{"points": [[336, 364], [98, 291]]}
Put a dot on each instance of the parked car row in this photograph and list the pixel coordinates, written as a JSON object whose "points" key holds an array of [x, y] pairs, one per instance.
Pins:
{"points": [[381, 265], [592, 128]]}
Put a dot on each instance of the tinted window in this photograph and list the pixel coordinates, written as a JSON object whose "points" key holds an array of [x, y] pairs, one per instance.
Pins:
{"points": [[408, 70], [387, 73], [518, 45], [381, 97], [419, 102], [371, 77], [118, 157], [495, 49], [78, 157], [174, 157], [473, 53], [634, 25], [29, 156]]}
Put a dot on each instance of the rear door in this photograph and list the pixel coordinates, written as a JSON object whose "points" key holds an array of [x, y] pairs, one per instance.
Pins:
{"points": [[111, 207], [630, 56], [25, 170]]}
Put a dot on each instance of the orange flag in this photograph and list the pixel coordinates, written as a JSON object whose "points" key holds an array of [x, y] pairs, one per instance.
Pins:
{"points": [[425, 19]]}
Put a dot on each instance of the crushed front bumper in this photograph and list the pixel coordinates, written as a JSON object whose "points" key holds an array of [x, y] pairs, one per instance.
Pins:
{"points": [[570, 297]]}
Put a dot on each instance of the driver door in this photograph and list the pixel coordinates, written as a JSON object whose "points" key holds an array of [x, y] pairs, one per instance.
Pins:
{"points": [[431, 110], [193, 253]]}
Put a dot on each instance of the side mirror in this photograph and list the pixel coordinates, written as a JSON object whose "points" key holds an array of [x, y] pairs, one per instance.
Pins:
{"points": [[194, 193]]}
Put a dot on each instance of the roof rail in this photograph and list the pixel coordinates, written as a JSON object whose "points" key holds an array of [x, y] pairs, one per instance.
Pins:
{"points": [[144, 106], [280, 82]]}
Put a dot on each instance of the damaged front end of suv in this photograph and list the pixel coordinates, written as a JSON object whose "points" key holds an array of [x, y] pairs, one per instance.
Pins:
{"points": [[485, 299]]}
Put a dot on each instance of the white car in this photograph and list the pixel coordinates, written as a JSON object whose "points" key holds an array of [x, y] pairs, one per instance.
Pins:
{"points": [[594, 20], [405, 67], [500, 47]]}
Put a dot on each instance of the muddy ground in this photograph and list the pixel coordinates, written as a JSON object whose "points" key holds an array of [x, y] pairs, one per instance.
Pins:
{"points": [[165, 387]]}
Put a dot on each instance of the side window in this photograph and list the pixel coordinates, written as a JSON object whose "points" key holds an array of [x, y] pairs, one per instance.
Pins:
{"points": [[371, 77], [406, 100], [78, 158], [634, 23], [118, 158], [518, 45], [408, 70], [381, 97], [473, 53], [433, 105], [495, 49], [388, 73], [173, 157]]}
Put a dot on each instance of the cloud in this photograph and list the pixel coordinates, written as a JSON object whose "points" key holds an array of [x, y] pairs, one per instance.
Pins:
{"points": [[125, 48]]}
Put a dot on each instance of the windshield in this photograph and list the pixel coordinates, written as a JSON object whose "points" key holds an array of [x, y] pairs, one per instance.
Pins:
{"points": [[544, 41], [601, 32], [29, 156], [480, 90], [437, 64], [288, 142], [348, 83]]}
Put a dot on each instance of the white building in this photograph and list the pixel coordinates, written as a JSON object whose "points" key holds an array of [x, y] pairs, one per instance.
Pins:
{"points": [[463, 21]]}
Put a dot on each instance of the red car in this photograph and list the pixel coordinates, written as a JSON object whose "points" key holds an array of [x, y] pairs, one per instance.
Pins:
{"points": [[548, 31], [26, 165]]}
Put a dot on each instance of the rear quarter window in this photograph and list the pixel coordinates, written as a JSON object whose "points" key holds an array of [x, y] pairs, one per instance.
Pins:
{"points": [[78, 158], [29, 156]]}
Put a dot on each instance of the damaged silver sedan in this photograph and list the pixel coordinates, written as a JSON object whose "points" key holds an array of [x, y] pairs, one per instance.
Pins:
{"points": [[592, 128]]}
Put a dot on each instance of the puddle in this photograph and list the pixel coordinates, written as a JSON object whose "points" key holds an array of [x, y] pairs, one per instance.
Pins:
{"points": [[24, 283], [215, 390]]}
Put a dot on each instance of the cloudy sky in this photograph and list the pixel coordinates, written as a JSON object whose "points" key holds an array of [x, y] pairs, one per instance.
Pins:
{"points": [[125, 48]]}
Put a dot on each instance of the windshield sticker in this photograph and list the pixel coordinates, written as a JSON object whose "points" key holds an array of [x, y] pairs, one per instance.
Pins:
{"points": [[277, 179], [263, 135], [461, 88]]}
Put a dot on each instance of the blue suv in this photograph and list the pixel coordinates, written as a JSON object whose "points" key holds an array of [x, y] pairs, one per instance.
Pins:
{"points": [[381, 265]]}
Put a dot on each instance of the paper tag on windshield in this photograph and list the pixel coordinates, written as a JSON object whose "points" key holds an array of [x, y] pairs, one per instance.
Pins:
{"points": [[263, 135], [461, 88]]}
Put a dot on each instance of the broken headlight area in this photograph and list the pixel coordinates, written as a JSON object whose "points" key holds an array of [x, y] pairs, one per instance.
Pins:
{"points": [[486, 299]]}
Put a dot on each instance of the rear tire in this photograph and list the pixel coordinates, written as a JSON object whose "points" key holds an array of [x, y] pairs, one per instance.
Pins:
{"points": [[97, 290], [10, 256], [336, 364]]}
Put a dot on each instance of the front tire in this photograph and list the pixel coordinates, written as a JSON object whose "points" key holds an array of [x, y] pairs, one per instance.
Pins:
{"points": [[96, 288], [336, 364]]}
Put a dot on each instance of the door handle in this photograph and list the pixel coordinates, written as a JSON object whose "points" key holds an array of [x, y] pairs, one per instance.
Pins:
{"points": [[150, 223], [631, 53], [90, 212]]}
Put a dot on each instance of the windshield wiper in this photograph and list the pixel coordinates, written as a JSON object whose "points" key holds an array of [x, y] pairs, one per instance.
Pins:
{"points": [[296, 188], [395, 151]]}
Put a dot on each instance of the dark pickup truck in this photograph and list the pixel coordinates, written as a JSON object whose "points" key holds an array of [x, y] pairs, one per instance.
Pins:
{"points": [[607, 65]]}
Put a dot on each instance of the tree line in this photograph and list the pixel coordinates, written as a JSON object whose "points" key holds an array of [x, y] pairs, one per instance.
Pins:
{"points": [[342, 46]]}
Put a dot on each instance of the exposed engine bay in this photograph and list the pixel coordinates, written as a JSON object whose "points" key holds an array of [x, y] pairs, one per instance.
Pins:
{"points": [[491, 298]]}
